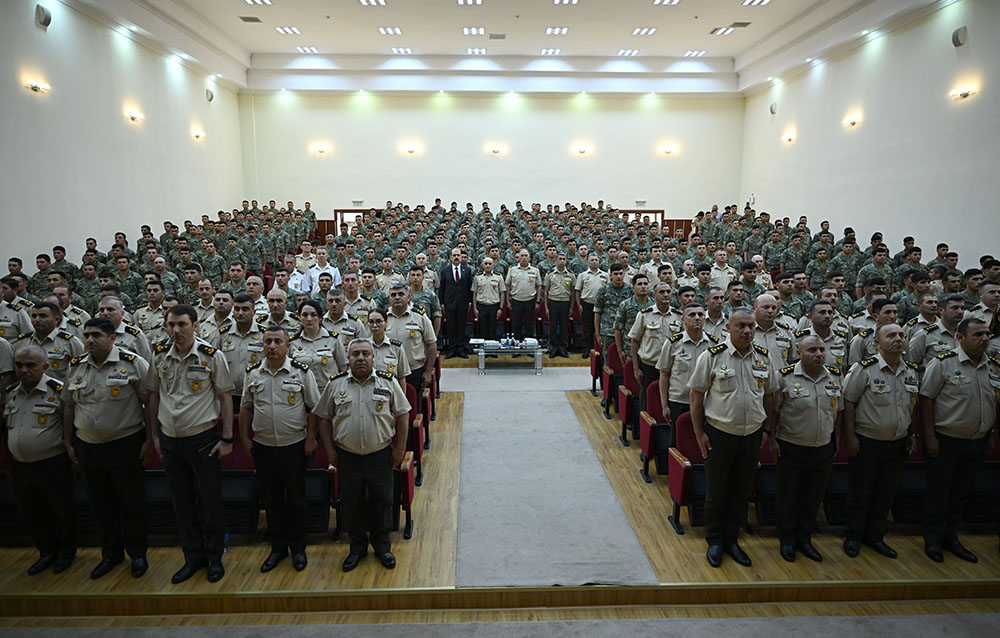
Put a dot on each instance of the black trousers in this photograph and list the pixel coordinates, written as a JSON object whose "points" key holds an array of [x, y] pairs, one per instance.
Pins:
{"points": [[454, 320], [416, 379], [196, 487], [115, 480], [951, 478], [558, 326], [872, 480], [649, 374], [374, 473], [488, 320], [523, 318], [281, 473], [729, 471], [587, 317], [43, 491], [802, 476]]}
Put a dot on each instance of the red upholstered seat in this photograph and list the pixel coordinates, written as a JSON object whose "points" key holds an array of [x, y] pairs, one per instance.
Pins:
{"points": [[687, 475], [650, 421], [611, 376], [415, 434], [628, 400]]}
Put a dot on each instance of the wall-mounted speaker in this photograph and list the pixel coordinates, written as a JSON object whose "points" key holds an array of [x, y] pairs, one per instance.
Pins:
{"points": [[43, 16], [773, 108], [209, 95], [958, 36]]}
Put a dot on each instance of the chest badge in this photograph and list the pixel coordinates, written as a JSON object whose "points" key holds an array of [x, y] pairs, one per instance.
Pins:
{"points": [[253, 357], [797, 389], [378, 405], [124, 370], [291, 399], [42, 418], [51, 399], [115, 391], [196, 385]]}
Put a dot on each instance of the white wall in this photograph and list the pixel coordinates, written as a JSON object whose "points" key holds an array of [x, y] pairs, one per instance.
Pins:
{"points": [[919, 163], [365, 132], [72, 166]]}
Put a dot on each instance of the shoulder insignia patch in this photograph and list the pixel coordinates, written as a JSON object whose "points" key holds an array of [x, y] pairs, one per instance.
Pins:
{"points": [[913, 322], [207, 349], [717, 349], [649, 309], [65, 335], [995, 359], [338, 375], [383, 374], [55, 385], [911, 364], [781, 324], [74, 322], [294, 336], [294, 316], [141, 306], [255, 364], [396, 342], [298, 364], [867, 332], [418, 309], [787, 370], [841, 333], [162, 346], [931, 328], [11, 387], [677, 337], [713, 338], [834, 370], [24, 335], [15, 306], [801, 333], [128, 356], [75, 310], [868, 362], [760, 349], [857, 314], [946, 355], [132, 330], [224, 329], [77, 360], [333, 333]]}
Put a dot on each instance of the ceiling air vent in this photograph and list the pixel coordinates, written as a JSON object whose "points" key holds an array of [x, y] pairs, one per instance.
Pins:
{"points": [[498, 36], [250, 19]]}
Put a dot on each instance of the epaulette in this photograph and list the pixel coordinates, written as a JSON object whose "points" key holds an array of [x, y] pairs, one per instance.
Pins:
{"points": [[841, 333], [299, 365], [74, 322], [760, 349], [417, 309], [995, 359], [801, 333], [396, 342], [132, 330], [65, 335], [128, 356], [77, 360], [338, 375], [782, 325], [869, 361], [333, 333], [649, 309], [76, 310], [713, 338], [913, 322], [947, 355], [294, 337], [865, 333], [834, 370], [223, 330], [717, 349], [24, 335], [140, 307], [857, 314], [55, 385], [293, 316], [911, 364], [931, 328], [787, 370], [15, 306], [11, 387], [162, 346], [207, 349], [255, 364], [677, 337], [383, 374]]}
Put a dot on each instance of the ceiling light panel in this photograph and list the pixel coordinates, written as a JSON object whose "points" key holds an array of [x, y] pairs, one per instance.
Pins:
{"points": [[666, 3], [307, 49], [628, 52], [551, 51], [565, 1], [267, 2], [373, 3], [390, 30], [470, 2], [644, 31], [722, 31], [473, 30], [402, 50], [556, 30], [694, 54], [476, 51], [755, 3], [288, 30]]}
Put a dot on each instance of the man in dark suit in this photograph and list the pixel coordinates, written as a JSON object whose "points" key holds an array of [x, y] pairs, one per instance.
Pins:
{"points": [[456, 295]]}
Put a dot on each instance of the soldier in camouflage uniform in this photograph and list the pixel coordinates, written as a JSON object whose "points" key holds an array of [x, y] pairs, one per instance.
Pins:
{"points": [[213, 266], [610, 298], [628, 310]]}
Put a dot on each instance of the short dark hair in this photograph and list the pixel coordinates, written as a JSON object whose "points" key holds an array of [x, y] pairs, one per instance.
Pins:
{"points": [[243, 298], [878, 304], [184, 310], [51, 307], [965, 324], [104, 325]]}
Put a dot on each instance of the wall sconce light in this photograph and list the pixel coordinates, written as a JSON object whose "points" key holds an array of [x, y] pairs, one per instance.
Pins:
{"points": [[583, 149], [668, 149], [411, 148], [788, 137], [320, 148], [135, 116], [852, 120], [198, 134], [962, 92], [495, 148], [37, 86]]}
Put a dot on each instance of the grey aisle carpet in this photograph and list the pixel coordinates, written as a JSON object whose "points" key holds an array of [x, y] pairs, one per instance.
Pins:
{"points": [[535, 507], [959, 625]]}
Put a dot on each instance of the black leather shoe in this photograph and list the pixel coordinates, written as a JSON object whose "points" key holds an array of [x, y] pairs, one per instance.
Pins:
{"points": [[739, 555], [352, 561], [714, 555], [185, 572], [881, 548], [955, 547], [388, 560], [934, 553], [62, 564], [810, 552], [299, 561], [215, 570], [41, 565], [852, 547], [105, 566], [139, 567], [462, 355], [272, 561], [788, 553], [450, 355]]}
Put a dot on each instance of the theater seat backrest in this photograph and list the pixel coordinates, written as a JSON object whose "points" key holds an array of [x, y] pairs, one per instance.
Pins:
{"points": [[686, 442], [653, 405], [630, 382], [614, 359]]}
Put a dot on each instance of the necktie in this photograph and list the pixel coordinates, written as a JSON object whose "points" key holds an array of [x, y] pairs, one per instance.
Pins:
{"points": [[456, 273]]}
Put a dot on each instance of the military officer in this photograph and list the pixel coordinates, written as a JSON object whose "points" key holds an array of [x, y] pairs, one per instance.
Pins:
{"points": [[389, 354], [835, 341], [338, 320], [128, 336], [355, 304], [488, 297], [940, 337], [370, 416], [317, 347], [880, 394], [39, 467], [278, 396], [628, 311], [150, 313], [958, 408], [609, 299], [557, 290], [588, 284], [241, 342], [524, 287], [652, 327], [14, 320], [60, 346], [676, 363], [423, 298], [810, 409], [416, 332], [731, 400], [863, 344], [6, 363], [208, 329], [772, 335], [278, 314], [190, 388], [103, 405]]}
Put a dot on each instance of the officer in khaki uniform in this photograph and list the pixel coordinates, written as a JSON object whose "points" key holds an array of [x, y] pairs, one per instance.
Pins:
{"points": [[731, 399], [416, 332], [39, 467], [278, 314], [149, 314], [209, 327], [835, 341], [355, 304], [652, 327], [880, 394], [588, 284], [14, 320], [958, 407], [488, 292], [774, 336], [190, 388], [6, 363], [388, 353], [316, 346], [104, 405], [279, 394], [558, 294], [524, 285], [337, 320], [940, 337], [676, 363], [127, 337], [810, 409], [863, 344], [370, 416], [60, 347]]}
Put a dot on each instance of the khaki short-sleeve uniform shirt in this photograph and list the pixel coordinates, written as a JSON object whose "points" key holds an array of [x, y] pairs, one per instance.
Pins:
{"points": [[808, 407], [280, 400], [187, 386], [884, 397], [678, 357], [108, 397], [523, 282], [488, 288], [651, 329], [362, 411], [325, 355], [965, 393], [415, 331], [734, 385], [34, 420]]}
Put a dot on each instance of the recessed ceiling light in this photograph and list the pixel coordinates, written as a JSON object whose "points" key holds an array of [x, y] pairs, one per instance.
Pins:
{"points": [[644, 31], [666, 2], [628, 52], [556, 30], [307, 49], [551, 51], [469, 2], [373, 3], [755, 3], [267, 2], [565, 1], [476, 51], [694, 54], [473, 30], [865, 32], [722, 30], [133, 28], [390, 30], [769, 78], [402, 50], [288, 30], [809, 59]]}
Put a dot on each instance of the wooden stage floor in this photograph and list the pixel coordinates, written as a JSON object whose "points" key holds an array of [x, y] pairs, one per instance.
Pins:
{"points": [[422, 587]]}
